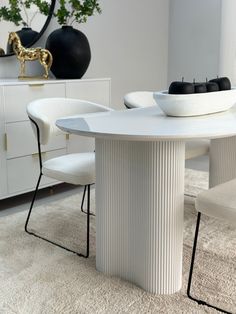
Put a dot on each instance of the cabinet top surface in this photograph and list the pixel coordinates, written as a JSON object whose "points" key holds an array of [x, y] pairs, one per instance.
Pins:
{"points": [[151, 124], [15, 81]]}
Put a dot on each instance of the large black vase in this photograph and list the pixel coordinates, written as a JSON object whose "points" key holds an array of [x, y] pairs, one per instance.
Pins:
{"points": [[27, 37], [71, 53]]}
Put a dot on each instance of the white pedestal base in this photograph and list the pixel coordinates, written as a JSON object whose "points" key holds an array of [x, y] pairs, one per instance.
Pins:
{"points": [[222, 160], [139, 212]]}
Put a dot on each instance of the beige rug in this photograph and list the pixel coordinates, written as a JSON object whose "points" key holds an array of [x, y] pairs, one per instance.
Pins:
{"points": [[38, 278]]}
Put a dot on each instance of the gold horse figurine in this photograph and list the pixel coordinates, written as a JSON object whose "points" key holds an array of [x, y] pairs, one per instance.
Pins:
{"points": [[2, 52], [30, 54]]}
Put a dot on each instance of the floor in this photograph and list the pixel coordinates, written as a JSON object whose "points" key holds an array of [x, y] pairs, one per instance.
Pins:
{"points": [[22, 202]]}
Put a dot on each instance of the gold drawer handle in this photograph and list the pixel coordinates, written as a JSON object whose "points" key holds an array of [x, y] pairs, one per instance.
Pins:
{"points": [[5, 141], [36, 84], [37, 154]]}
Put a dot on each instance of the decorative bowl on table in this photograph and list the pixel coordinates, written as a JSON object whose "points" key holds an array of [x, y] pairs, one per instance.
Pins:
{"points": [[184, 105]]}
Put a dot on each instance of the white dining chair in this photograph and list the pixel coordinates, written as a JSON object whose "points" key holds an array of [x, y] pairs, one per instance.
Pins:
{"points": [[77, 169], [139, 99], [143, 99], [218, 202]]}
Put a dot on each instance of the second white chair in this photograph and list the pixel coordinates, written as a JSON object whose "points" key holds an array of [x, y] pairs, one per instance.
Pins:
{"points": [[218, 202], [142, 99], [79, 168]]}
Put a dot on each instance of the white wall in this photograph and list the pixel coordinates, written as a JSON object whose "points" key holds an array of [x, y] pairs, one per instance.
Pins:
{"points": [[194, 39], [228, 40], [129, 43]]}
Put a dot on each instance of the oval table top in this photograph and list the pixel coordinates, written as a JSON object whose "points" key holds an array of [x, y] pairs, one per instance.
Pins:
{"points": [[150, 124]]}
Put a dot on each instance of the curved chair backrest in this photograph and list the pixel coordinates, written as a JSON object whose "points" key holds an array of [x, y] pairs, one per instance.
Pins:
{"points": [[139, 100], [44, 112]]}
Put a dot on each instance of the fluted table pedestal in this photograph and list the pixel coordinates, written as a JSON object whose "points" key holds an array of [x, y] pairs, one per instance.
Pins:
{"points": [[222, 160], [139, 212]]}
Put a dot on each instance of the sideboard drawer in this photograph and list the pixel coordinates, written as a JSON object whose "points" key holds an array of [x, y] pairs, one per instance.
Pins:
{"points": [[23, 172], [21, 140], [17, 98], [19, 161], [95, 91]]}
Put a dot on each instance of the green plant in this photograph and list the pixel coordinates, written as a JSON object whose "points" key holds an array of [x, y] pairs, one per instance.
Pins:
{"points": [[76, 11], [16, 11]]}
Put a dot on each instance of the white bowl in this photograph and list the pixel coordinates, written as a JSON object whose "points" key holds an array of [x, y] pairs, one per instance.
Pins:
{"points": [[195, 104]]}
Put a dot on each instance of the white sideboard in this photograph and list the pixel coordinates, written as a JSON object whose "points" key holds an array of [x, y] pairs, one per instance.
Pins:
{"points": [[19, 168]]}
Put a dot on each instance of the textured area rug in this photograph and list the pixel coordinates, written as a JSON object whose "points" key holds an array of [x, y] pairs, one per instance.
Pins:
{"points": [[38, 278]]}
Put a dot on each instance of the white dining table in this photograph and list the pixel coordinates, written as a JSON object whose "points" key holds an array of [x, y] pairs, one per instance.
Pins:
{"points": [[140, 162]]}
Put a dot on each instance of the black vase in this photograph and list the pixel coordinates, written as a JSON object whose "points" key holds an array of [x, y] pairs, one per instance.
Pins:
{"points": [[71, 53], [27, 37]]}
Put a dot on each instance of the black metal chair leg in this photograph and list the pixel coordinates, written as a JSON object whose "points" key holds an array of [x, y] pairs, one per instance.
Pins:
{"points": [[200, 302], [32, 204], [82, 203], [88, 220], [52, 242]]}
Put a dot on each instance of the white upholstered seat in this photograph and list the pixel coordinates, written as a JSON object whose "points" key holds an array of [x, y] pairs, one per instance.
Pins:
{"points": [[142, 99], [78, 169], [139, 99], [219, 201]]}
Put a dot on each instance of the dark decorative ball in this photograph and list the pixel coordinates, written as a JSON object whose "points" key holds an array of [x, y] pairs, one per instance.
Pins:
{"points": [[178, 87], [71, 53], [200, 88], [223, 83], [212, 87]]}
